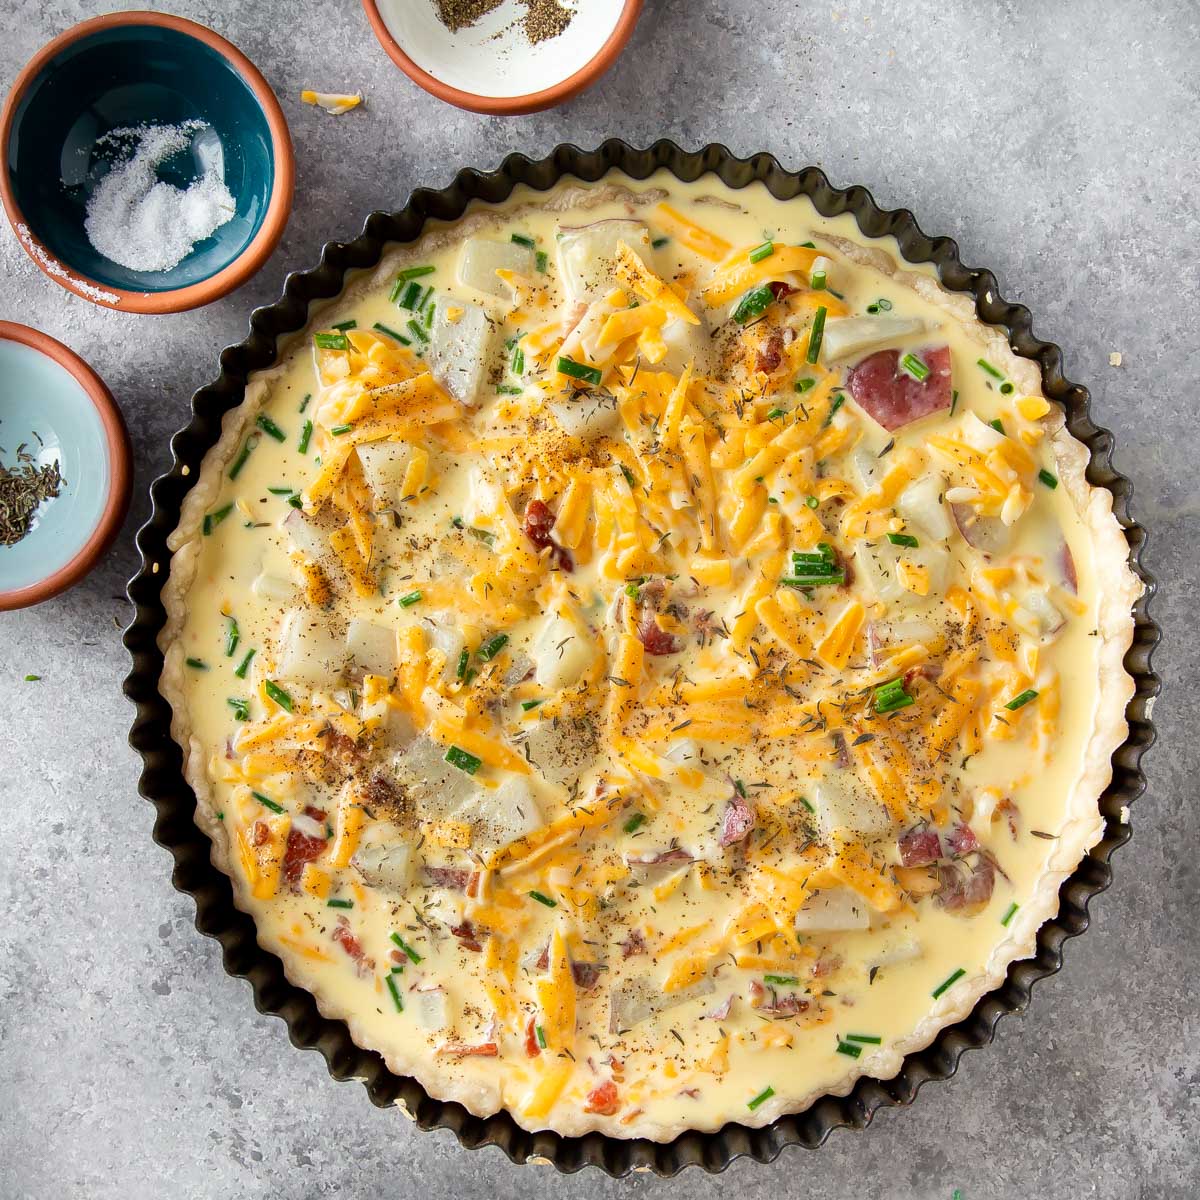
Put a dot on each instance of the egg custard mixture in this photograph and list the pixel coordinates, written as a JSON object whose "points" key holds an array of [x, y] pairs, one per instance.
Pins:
{"points": [[645, 660]]}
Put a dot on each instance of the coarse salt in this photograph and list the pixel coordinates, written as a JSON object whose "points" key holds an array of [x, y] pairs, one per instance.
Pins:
{"points": [[145, 224]]}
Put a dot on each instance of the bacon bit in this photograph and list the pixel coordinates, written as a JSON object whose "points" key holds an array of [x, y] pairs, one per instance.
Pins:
{"points": [[963, 886], [398, 956], [260, 833], [466, 936], [826, 966], [461, 1050], [352, 946], [455, 879], [790, 1005], [604, 1099], [736, 821], [920, 846], [841, 758], [473, 884], [1066, 560], [532, 1049], [315, 814], [343, 746], [770, 355], [781, 290], [539, 520], [690, 1093], [301, 849], [1010, 810], [961, 840], [633, 944], [656, 639], [585, 974], [757, 992], [721, 1013]]}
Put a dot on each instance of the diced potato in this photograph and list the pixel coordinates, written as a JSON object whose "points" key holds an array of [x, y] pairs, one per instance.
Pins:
{"points": [[384, 465], [481, 258], [384, 858], [590, 415], [855, 335], [561, 653], [446, 636], [922, 507], [273, 587], [459, 350], [640, 998], [308, 652], [845, 805], [430, 1008], [586, 255], [372, 647], [499, 815], [434, 785], [834, 910]]}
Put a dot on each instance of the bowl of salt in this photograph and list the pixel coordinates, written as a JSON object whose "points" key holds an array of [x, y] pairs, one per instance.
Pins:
{"points": [[145, 163]]}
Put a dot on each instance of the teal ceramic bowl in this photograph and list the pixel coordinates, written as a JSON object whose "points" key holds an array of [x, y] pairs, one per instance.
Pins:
{"points": [[55, 406], [123, 71]]}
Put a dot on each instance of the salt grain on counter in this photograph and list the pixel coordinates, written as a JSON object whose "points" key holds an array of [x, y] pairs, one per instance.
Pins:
{"points": [[144, 224]]}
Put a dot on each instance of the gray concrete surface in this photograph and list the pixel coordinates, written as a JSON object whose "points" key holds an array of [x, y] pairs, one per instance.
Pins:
{"points": [[1058, 141]]}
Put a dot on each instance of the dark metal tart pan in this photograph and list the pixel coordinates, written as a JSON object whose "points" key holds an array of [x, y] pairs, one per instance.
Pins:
{"points": [[162, 780]]}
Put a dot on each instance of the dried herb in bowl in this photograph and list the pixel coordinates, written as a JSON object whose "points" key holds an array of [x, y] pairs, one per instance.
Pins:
{"points": [[22, 489]]}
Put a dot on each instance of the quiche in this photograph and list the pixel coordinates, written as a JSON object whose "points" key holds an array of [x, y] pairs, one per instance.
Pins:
{"points": [[646, 657]]}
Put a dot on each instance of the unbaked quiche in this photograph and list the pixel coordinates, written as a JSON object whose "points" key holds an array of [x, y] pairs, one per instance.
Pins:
{"points": [[645, 660]]}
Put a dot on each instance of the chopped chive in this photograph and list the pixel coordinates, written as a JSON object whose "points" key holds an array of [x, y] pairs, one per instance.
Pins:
{"points": [[1021, 700], [339, 430], [344, 325], [522, 240], [803, 385], [1006, 388], [463, 760], [849, 1049], [838, 401], [282, 491], [305, 437], [947, 983], [464, 657], [815, 335], [910, 364], [808, 804], [989, 369], [33, 678], [818, 281], [782, 980], [213, 519], [761, 1098], [800, 580], [578, 370], [629, 479], [997, 424], [809, 245], [760, 252], [382, 328], [518, 361], [953, 401], [753, 304], [232, 637], [418, 332], [244, 665], [331, 341], [395, 991], [740, 788], [902, 539], [482, 535], [489, 650], [884, 305], [197, 664], [541, 260], [509, 389], [241, 708], [1008, 916], [270, 428], [414, 273], [812, 501], [407, 601], [891, 696], [635, 823], [305, 402], [776, 413], [339, 903], [1051, 481], [408, 296], [267, 802], [429, 310], [867, 1039], [243, 454], [542, 898], [279, 695], [540, 1033], [530, 705], [659, 242], [412, 954]]}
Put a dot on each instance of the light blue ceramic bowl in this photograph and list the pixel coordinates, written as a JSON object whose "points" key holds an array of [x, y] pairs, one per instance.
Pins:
{"points": [[123, 71], [55, 405]]}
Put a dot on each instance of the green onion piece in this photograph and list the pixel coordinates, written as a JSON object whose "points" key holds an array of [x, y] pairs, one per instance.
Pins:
{"points": [[482, 535], [412, 954], [530, 705], [410, 599], [463, 658], [243, 455], [281, 491], [953, 401], [761, 1098], [518, 361], [279, 695], [381, 328], [267, 802], [489, 650], [33, 678], [1008, 916], [809, 245], [338, 430], [818, 281], [241, 708], [213, 519], [910, 364], [635, 823], [1006, 388], [542, 898], [659, 242], [812, 501], [395, 991], [872, 309], [541, 1036], [270, 428], [410, 296], [577, 370], [403, 278], [339, 903], [838, 401], [903, 539], [803, 385], [884, 305], [800, 580], [1051, 481], [232, 637], [244, 665], [849, 1049], [815, 335], [997, 424], [761, 252], [1021, 700], [808, 804], [948, 983], [890, 697], [867, 1039], [331, 341], [418, 332], [754, 303], [305, 437], [782, 980], [305, 402], [197, 664], [509, 389], [989, 369], [463, 760], [541, 261], [344, 325], [629, 479], [776, 413], [522, 240], [428, 310]]}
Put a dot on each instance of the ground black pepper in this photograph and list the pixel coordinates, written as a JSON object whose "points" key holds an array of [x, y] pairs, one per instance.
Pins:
{"points": [[544, 19], [457, 14]]}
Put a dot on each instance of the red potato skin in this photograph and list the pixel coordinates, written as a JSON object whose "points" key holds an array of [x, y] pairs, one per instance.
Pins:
{"points": [[892, 397]]}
